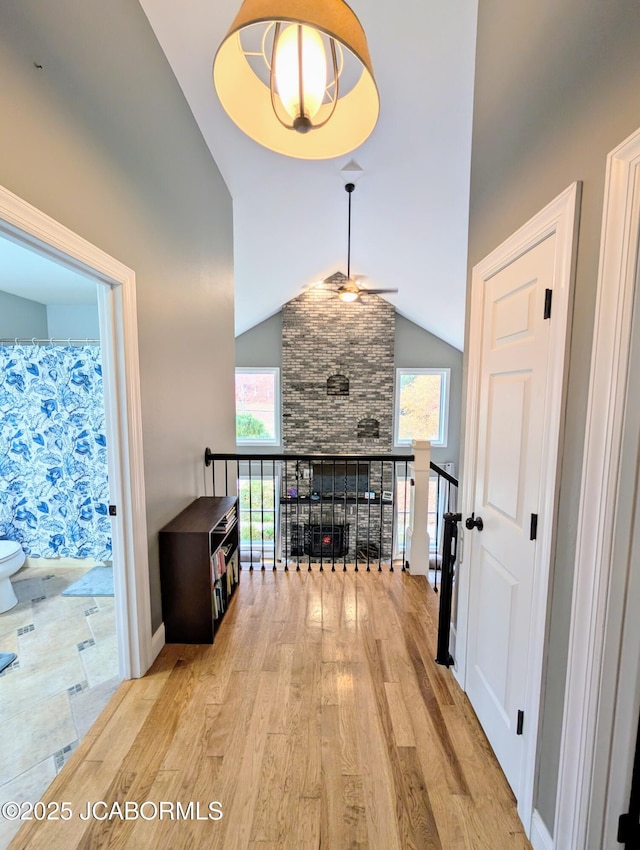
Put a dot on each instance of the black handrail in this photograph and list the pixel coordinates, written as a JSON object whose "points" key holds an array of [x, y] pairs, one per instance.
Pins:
{"points": [[210, 456]]}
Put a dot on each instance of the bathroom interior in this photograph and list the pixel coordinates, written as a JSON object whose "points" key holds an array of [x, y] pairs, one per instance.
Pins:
{"points": [[58, 641]]}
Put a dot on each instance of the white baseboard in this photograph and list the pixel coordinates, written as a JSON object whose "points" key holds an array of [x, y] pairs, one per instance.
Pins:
{"points": [[453, 635], [157, 642], [540, 838]]}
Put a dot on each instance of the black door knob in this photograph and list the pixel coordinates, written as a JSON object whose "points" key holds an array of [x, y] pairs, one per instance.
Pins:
{"points": [[473, 521]]}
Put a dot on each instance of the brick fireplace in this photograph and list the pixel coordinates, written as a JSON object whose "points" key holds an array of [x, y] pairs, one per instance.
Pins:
{"points": [[337, 398], [327, 346]]}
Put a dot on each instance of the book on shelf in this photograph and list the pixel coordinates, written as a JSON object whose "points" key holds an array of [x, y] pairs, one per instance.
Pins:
{"points": [[218, 565], [219, 599], [227, 521], [234, 566]]}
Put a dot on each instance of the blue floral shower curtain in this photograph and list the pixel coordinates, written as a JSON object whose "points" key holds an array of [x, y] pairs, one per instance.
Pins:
{"points": [[54, 492]]}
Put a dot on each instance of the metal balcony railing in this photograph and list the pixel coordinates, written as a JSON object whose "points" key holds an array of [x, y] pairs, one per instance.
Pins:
{"points": [[331, 512]]}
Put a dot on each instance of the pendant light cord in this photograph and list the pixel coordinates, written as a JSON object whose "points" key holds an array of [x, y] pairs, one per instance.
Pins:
{"points": [[349, 188]]}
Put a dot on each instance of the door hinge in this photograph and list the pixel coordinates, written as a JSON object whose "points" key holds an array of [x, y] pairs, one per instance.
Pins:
{"points": [[548, 295], [628, 831], [520, 724], [113, 511], [533, 529]]}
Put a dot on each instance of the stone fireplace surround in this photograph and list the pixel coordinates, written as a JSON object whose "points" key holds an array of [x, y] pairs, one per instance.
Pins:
{"points": [[323, 337]]}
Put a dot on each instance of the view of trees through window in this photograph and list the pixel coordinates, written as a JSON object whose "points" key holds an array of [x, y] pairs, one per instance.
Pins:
{"points": [[419, 405], [257, 513], [256, 406]]}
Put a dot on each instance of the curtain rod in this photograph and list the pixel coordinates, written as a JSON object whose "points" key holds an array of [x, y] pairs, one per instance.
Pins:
{"points": [[35, 341]]}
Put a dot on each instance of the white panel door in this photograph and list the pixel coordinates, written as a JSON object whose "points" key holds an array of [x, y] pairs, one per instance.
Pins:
{"points": [[511, 402]]}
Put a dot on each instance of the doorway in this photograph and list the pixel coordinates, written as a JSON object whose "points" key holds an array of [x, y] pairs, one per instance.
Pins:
{"points": [[24, 224], [602, 697], [66, 668], [520, 300]]}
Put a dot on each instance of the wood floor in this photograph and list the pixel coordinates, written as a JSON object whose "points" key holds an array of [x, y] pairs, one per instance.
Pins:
{"points": [[317, 720]]}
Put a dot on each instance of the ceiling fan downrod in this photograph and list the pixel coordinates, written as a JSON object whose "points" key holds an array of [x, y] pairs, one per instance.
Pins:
{"points": [[349, 187]]}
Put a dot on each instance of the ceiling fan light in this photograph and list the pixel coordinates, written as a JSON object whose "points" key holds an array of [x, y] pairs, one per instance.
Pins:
{"points": [[344, 115], [348, 295]]}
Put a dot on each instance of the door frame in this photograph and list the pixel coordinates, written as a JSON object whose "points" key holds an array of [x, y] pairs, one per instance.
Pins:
{"points": [[560, 217], [595, 689], [21, 221]]}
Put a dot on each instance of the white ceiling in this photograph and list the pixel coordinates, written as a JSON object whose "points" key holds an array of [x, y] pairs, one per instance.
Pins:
{"points": [[38, 277], [410, 207]]}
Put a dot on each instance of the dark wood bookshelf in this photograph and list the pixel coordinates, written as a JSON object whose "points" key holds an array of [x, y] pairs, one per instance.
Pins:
{"points": [[188, 547]]}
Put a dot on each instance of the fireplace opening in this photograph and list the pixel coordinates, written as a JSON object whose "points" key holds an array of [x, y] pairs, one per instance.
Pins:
{"points": [[324, 541]]}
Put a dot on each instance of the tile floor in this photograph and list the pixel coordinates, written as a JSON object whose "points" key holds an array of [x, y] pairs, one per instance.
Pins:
{"points": [[65, 673]]}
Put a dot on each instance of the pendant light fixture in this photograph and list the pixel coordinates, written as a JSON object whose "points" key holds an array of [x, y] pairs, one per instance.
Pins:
{"points": [[297, 77]]}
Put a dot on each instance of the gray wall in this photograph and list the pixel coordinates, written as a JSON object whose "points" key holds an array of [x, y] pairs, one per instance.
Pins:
{"points": [[20, 317], [419, 349], [75, 321], [414, 347], [262, 344], [557, 87], [103, 141]]}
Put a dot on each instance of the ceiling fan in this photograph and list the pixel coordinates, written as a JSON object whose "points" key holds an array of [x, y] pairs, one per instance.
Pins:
{"points": [[347, 286]]}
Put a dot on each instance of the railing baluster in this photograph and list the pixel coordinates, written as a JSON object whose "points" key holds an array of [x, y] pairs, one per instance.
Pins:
{"points": [[321, 508], [379, 535], [276, 502], [357, 517], [333, 519], [393, 479], [437, 541], [309, 517], [345, 542], [250, 520], [299, 525], [404, 514]]}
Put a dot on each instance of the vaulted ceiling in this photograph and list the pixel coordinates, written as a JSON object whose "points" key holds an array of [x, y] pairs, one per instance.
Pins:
{"points": [[410, 207]]}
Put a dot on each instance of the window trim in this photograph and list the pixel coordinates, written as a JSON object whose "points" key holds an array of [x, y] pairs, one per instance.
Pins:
{"points": [[277, 405], [443, 436]]}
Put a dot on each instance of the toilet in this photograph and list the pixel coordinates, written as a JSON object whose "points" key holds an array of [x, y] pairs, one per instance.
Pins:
{"points": [[11, 559]]}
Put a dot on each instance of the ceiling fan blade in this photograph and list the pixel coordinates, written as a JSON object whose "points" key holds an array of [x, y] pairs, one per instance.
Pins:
{"points": [[375, 291]]}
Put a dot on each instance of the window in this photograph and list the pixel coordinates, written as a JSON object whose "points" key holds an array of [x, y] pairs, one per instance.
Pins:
{"points": [[402, 516], [258, 512], [258, 406], [422, 406]]}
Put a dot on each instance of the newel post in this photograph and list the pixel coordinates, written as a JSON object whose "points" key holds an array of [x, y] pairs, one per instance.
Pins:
{"points": [[417, 538]]}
